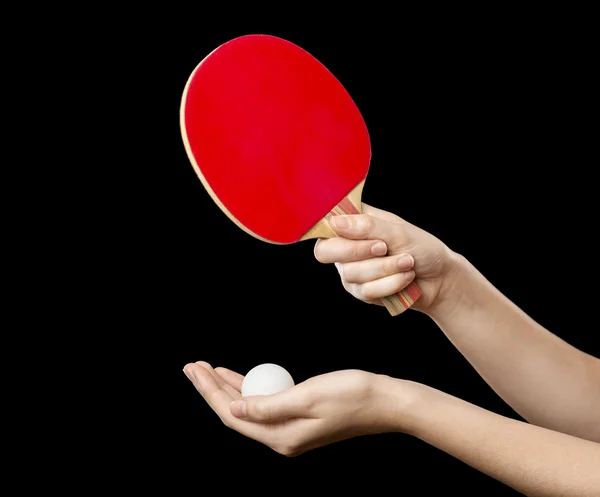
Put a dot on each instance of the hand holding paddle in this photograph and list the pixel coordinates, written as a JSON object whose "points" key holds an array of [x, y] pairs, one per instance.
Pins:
{"points": [[277, 142]]}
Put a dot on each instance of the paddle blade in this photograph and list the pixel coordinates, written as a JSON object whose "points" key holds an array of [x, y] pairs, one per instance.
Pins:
{"points": [[273, 135]]}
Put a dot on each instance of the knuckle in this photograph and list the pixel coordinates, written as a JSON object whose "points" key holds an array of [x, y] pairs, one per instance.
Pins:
{"points": [[263, 412], [325, 251], [368, 292], [280, 449], [352, 289], [367, 223], [357, 251], [348, 273], [318, 252], [292, 452], [288, 449], [214, 395], [390, 266], [402, 280]]}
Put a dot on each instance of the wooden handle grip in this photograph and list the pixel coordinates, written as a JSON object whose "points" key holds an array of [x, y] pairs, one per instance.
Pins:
{"points": [[395, 304]]}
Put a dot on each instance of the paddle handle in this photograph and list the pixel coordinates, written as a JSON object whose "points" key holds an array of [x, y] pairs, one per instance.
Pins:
{"points": [[395, 304]]}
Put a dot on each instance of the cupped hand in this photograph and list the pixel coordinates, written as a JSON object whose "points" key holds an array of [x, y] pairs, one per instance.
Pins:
{"points": [[378, 254], [319, 411]]}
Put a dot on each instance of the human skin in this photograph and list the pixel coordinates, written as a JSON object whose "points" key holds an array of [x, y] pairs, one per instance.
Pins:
{"points": [[335, 406], [546, 380], [554, 386]]}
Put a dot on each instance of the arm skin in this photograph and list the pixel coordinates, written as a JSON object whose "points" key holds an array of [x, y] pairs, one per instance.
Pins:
{"points": [[547, 381], [335, 406], [533, 460], [551, 384]]}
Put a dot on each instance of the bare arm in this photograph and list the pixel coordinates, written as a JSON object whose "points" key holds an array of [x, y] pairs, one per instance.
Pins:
{"points": [[343, 404], [532, 460], [547, 381]]}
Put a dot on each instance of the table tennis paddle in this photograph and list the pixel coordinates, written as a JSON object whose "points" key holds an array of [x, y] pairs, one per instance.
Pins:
{"points": [[277, 142]]}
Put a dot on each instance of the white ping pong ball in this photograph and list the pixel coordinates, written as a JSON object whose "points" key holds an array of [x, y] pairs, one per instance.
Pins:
{"points": [[266, 379]]}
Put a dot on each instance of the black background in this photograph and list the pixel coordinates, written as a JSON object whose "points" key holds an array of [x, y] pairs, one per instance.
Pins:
{"points": [[478, 136]]}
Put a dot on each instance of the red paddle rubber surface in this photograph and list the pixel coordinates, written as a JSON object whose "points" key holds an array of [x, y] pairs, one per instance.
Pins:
{"points": [[274, 134]]}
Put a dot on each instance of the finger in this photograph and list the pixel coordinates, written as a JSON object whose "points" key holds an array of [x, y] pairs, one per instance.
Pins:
{"points": [[235, 394], [355, 290], [366, 227], [373, 269], [220, 401], [385, 215], [291, 403], [215, 396], [231, 377], [383, 287], [345, 250]]}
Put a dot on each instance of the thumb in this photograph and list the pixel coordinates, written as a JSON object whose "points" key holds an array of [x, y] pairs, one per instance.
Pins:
{"points": [[367, 227], [270, 408], [381, 214]]}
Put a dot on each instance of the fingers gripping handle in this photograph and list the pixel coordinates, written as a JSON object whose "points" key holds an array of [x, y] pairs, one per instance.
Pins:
{"points": [[401, 301]]}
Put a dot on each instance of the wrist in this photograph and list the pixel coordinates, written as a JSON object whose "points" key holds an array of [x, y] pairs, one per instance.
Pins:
{"points": [[397, 403], [453, 293]]}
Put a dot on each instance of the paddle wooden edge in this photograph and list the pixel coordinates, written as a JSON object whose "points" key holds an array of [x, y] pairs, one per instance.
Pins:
{"points": [[352, 204]]}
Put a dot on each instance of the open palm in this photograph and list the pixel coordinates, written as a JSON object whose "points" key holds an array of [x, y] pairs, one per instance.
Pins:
{"points": [[321, 410]]}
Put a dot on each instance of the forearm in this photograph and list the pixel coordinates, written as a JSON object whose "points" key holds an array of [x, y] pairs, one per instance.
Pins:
{"points": [[546, 380], [532, 460]]}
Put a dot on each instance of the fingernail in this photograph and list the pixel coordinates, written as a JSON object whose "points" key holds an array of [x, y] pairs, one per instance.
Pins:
{"points": [[405, 262], [185, 372], [238, 408], [340, 222], [379, 248]]}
